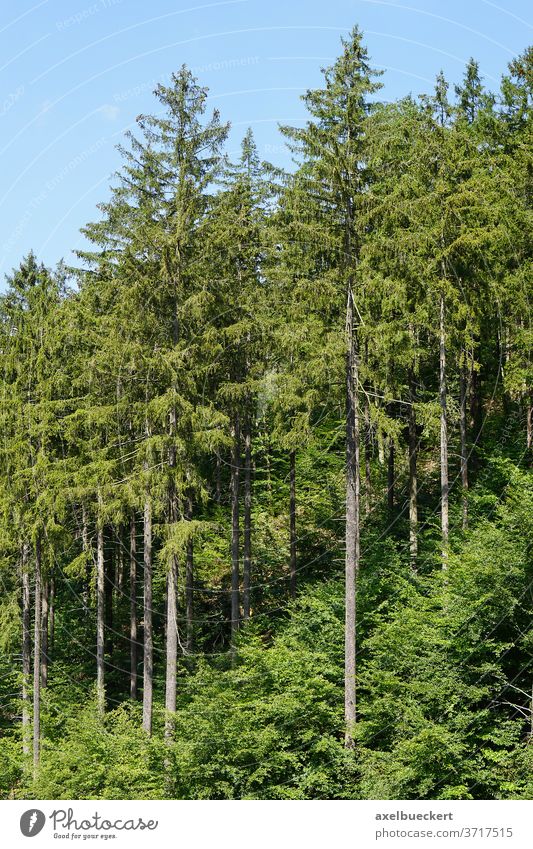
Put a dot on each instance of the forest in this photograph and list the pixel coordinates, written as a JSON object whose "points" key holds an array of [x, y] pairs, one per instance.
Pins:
{"points": [[266, 492]]}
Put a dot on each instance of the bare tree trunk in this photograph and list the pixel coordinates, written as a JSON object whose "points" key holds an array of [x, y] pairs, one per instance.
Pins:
{"points": [[119, 571], [292, 519], [247, 552], [171, 647], [368, 452], [26, 649], [133, 608], [531, 714], [504, 355], [218, 483], [268, 465], [109, 586], [235, 531], [475, 415], [189, 583], [85, 545], [37, 659], [390, 476], [44, 633], [52, 613], [147, 615], [443, 433], [100, 618], [352, 521], [464, 444], [529, 425], [171, 634], [413, 478]]}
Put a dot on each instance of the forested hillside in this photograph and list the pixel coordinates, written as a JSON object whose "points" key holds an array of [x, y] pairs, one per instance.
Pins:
{"points": [[266, 501]]}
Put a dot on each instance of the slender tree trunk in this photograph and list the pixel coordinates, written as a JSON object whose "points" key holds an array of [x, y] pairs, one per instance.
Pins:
{"points": [[26, 650], [413, 478], [147, 614], [85, 546], [247, 552], [171, 647], [119, 571], [218, 482], [52, 613], [100, 618], [37, 659], [531, 714], [133, 608], [44, 632], [235, 530], [504, 357], [352, 521], [171, 634], [368, 453], [109, 586], [267, 466], [475, 415], [443, 432], [292, 519], [189, 583], [381, 450], [464, 444], [390, 476], [529, 425]]}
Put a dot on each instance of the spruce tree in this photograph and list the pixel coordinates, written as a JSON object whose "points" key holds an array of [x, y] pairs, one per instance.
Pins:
{"points": [[332, 142]]}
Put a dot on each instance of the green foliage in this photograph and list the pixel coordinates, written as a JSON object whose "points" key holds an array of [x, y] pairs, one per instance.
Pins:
{"points": [[97, 758], [208, 323]]}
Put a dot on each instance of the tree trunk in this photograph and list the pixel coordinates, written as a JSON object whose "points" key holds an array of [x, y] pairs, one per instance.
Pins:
{"points": [[109, 586], [100, 618], [119, 578], [475, 415], [368, 453], [85, 546], [26, 649], [218, 482], [37, 659], [171, 647], [147, 615], [52, 613], [268, 466], [44, 633], [352, 520], [133, 608], [504, 355], [247, 552], [189, 583], [235, 531], [529, 426], [171, 633], [413, 480], [292, 518], [443, 433], [381, 450], [464, 444], [390, 476]]}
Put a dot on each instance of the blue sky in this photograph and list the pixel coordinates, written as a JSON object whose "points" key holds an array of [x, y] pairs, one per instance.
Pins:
{"points": [[74, 74]]}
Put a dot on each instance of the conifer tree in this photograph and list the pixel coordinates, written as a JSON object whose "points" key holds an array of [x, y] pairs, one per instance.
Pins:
{"points": [[332, 142], [29, 310], [235, 230]]}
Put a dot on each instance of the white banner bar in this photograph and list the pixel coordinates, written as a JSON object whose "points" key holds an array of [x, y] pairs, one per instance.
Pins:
{"points": [[265, 825]]}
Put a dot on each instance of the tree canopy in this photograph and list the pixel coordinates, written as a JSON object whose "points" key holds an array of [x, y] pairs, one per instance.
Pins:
{"points": [[266, 503]]}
